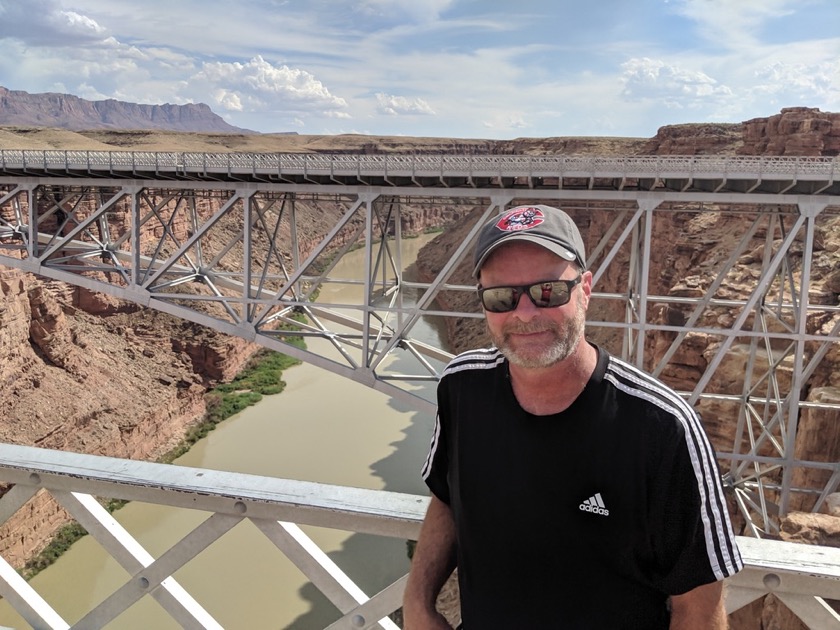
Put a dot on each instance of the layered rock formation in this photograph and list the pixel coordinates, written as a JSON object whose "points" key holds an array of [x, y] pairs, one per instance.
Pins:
{"points": [[697, 139], [71, 112], [795, 131]]}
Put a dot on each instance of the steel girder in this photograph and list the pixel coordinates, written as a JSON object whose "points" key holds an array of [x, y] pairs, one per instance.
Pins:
{"points": [[244, 258]]}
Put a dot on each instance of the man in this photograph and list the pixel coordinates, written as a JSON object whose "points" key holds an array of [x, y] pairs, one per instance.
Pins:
{"points": [[570, 489]]}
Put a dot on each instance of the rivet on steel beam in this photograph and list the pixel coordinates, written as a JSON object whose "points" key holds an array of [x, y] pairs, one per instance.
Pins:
{"points": [[358, 621], [240, 507], [35, 479], [143, 582], [772, 581]]}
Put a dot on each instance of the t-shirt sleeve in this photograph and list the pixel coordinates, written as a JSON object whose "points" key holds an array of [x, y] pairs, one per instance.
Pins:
{"points": [[436, 467], [696, 544]]}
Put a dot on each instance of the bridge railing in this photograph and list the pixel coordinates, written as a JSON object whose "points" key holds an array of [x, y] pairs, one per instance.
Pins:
{"points": [[512, 165], [803, 577]]}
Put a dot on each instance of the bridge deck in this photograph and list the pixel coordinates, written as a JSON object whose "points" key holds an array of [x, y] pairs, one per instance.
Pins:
{"points": [[738, 174]]}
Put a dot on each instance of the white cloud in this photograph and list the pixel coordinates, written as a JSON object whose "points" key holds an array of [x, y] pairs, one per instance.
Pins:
{"points": [[76, 23], [228, 100], [257, 85], [400, 105], [801, 83], [45, 23], [672, 85]]}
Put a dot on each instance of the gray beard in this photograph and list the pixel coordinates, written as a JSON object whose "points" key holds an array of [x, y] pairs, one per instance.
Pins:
{"points": [[566, 337]]}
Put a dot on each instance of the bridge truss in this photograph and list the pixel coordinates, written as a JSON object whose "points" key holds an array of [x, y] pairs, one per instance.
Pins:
{"points": [[249, 245]]}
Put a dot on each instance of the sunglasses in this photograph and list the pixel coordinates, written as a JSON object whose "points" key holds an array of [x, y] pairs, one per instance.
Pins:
{"points": [[543, 294]]}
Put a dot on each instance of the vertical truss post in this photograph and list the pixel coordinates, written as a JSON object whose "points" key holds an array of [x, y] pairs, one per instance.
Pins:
{"points": [[247, 258], [633, 331], [398, 265], [647, 206], [297, 289], [31, 223], [367, 350], [135, 238], [382, 267], [809, 210]]}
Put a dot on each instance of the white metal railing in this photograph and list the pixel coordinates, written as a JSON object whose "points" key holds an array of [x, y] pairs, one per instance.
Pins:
{"points": [[821, 168], [801, 576], [274, 506]]}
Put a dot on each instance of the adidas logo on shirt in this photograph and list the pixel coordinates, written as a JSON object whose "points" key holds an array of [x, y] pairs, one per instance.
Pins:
{"points": [[595, 504]]}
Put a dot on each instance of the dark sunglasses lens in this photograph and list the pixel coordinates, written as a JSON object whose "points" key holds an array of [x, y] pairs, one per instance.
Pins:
{"points": [[500, 299], [549, 294], [542, 294]]}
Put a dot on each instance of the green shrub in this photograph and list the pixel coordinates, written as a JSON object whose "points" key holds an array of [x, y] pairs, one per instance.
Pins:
{"points": [[60, 543], [261, 377]]}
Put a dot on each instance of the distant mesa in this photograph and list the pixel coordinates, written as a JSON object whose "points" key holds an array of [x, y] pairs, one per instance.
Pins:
{"points": [[65, 111]]}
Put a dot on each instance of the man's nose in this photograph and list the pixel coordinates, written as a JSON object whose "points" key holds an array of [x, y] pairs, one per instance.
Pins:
{"points": [[525, 309]]}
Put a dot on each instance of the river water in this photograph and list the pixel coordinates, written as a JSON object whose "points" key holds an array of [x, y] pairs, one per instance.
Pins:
{"points": [[322, 428]]}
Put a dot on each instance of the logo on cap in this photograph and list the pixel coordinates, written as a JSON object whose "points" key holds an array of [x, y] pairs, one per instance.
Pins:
{"points": [[521, 219]]}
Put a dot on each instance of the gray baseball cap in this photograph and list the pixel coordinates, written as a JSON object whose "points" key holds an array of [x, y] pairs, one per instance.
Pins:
{"points": [[546, 226]]}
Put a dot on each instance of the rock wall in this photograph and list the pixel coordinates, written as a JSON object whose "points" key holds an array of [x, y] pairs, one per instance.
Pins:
{"points": [[73, 381], [696, 139], [795, 131]]}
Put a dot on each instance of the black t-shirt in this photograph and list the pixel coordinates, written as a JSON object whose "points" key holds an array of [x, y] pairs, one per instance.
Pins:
{"points": [[589, 518]]}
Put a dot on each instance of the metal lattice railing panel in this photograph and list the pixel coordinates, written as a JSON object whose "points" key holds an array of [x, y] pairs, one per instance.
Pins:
{"points": [[802, 576]]}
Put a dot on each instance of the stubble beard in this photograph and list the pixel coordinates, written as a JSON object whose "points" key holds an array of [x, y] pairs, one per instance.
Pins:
{"points": [[565, 338]]}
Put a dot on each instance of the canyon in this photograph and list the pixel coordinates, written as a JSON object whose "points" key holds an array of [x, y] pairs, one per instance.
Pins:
{"points": [[84, 372]]}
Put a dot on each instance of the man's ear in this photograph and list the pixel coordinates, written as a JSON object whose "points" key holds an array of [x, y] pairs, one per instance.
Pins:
{"points": [[586, 284]]}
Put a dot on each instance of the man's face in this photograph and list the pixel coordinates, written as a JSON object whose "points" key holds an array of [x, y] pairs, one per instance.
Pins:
{"points": [[529, 336]]}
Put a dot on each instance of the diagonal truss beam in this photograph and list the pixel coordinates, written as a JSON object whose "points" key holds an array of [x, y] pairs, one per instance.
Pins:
{"points": [[274, 280]]}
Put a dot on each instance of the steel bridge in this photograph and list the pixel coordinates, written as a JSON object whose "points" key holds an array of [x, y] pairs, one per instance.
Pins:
{"points": [[229, 241]]}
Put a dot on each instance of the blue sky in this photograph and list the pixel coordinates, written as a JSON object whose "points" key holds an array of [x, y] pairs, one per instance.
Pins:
{"points": [[451, 68]]}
